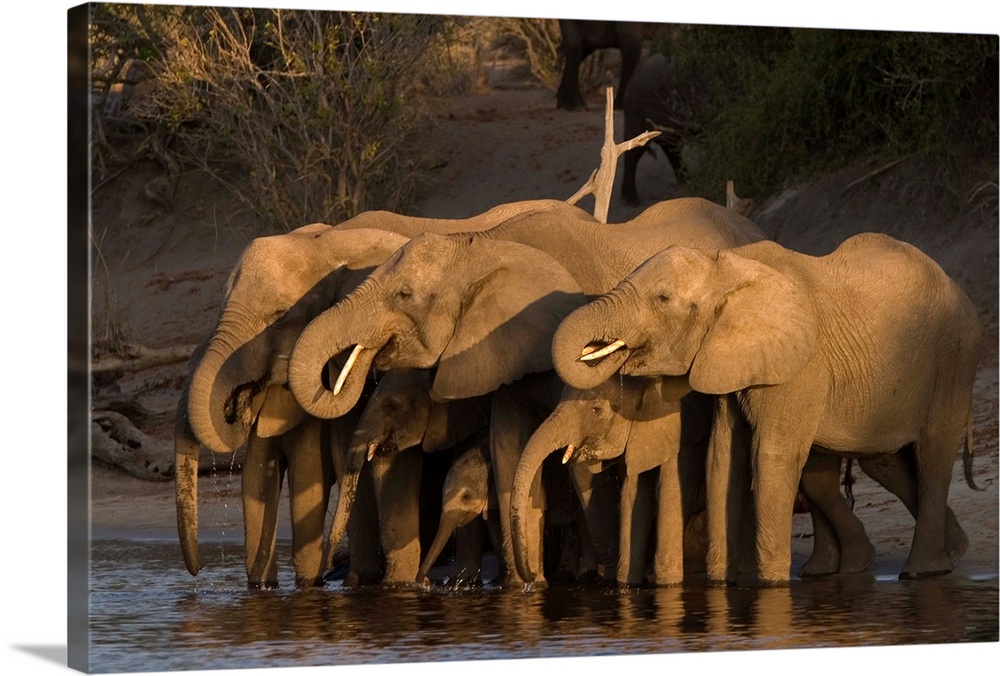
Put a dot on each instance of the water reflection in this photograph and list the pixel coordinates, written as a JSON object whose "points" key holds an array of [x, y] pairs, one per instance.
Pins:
{"points": [[148, 614]]}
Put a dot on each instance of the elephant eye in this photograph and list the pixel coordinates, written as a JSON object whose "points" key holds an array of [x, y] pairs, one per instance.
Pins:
{"points": [[663, 298], [404, 293]]}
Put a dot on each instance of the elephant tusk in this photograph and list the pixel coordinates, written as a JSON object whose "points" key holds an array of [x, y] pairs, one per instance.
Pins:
{"points": [[589, 355], [347, 369], [570, 450], [371, 451]]}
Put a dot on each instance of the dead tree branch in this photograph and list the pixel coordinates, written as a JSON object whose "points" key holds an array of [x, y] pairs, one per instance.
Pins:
{"points": [[139, 357], [602, 181]]}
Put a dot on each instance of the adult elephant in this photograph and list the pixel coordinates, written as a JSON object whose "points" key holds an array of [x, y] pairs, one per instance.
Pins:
{"points": [[237, 396], [581, 38], [481, 309], [863, 352], [399, 423], [657, 98]]}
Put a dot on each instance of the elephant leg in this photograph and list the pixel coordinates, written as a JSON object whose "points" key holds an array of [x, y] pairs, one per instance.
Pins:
{"points": [[397, 496], [935, 458], [840, 543], [670, 525], [897, 473], [637, 498], [362, 534], [597, 491], [309, 476], [263, 471], [727, 477], [629, 192], [780, 456], [512, 422]]}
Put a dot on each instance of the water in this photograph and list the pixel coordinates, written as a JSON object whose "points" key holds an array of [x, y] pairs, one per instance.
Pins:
{"points": [[148, 614]]}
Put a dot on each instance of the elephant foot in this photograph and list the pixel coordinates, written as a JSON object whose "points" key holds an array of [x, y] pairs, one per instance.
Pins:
{"points": [[262, 585], [309, 582], [588, 577], [355, 579], [939, 565], [856, 559], [562, 576], [956, 541]]}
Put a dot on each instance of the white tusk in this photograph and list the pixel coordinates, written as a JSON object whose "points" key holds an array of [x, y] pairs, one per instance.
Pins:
{"points": [[589, 355], [371, 450], [282, 356], [570, 450], [347, 369]]}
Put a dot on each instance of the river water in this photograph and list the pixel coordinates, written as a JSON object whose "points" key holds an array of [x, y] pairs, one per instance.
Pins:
{"points": [[148, 614]]}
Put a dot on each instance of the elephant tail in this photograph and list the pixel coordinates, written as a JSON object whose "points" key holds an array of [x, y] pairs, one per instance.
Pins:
{"points": [[967, 454]]}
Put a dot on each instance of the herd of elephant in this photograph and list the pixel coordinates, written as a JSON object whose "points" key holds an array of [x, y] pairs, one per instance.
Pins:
{"points": [[660, 389]]}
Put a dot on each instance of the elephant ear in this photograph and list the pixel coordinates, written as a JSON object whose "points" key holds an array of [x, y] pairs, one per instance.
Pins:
{"points": [[655, 432], [505, 325], [764, 332], [279, 413]]}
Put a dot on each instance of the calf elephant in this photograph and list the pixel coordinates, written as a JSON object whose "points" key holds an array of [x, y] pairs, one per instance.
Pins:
{"points": [[863, 352], [581, 38], [399, 423]]}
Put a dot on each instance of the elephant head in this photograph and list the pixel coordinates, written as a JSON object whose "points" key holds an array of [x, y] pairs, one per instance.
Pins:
{"points": [[464, 496], [238, 376], [721, 320], [481, 312], [278, 285], [400, 415]]}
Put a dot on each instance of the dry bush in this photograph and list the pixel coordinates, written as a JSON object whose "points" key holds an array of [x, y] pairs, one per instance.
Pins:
{"points": [[312, 110]]}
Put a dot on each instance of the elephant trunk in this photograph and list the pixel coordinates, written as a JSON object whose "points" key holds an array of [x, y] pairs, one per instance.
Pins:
{"points": [[527, 480], [186, 452], [449, 523], [582, 335], [221, 410], [347, 491], [322, 340]]}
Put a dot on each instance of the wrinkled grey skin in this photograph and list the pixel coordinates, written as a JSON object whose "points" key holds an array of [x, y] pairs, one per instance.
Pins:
{"points": [[399, 423], [466, 496], [863, 352], [237, 395], [581, 38]]}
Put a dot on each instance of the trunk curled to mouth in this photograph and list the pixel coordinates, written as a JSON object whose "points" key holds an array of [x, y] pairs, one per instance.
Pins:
{"points": [[186, 451], [323, 339], [586, 331], [221, 408], [527, 481]]}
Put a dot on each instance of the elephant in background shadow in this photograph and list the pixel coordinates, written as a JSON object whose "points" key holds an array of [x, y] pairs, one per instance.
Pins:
{"points": [[659, 97], [580, 39], [877, 323]]}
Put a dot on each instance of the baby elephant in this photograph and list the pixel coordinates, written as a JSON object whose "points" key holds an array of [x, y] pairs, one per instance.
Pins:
{"points": [[467, 494]]}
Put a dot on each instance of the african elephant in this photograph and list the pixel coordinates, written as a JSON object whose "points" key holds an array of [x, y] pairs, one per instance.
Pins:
{"points": [[655, 99], [581, 38], [628, 418], [398, 424], [862, 352], [467, 494], [237, 394]]}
